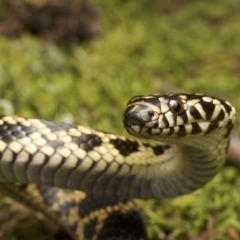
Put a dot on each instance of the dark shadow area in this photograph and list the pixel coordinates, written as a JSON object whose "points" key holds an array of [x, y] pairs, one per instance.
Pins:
{"points": [[52, 20]]}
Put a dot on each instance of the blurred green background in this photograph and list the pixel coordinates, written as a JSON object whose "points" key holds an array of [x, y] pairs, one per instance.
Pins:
{"points": [[144, 47]]}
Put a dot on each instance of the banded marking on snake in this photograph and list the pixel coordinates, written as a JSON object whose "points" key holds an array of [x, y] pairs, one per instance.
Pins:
{"points": [[112, 169]]}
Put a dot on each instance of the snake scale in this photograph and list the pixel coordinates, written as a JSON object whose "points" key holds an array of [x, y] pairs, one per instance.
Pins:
{"points": [[110, 170]]}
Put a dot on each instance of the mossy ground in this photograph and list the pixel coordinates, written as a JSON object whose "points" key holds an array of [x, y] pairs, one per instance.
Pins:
{"points": [[145, 47]]}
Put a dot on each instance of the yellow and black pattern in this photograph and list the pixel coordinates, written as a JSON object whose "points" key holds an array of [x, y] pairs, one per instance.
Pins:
{"points": [[195, 127], [83, 216], [57, 154]]}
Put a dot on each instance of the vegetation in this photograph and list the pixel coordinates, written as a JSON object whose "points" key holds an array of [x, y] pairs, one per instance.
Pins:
{"points": [[145, 47]]}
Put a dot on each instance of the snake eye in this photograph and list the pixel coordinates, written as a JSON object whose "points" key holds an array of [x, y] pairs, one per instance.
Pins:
{"points": [[176, 106]]}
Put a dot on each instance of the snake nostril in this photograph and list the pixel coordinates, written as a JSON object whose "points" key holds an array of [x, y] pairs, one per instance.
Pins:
{"points": [[132, 118]]}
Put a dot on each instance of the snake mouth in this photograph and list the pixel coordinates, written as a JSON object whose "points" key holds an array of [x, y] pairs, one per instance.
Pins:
{"points": [[203, 127]]}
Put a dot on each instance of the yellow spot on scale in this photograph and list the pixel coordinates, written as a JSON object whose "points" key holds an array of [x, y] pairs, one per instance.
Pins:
{"points": [[47, 150], [24, 140], [216, 111], [13, 122], [188, 128], [101, 165], [56, 158], [183, 97], [202, 112], [31, 148], [71, 146], [39, 125], [65, 152], [18, 119], [38, 159], [34, 135], [111, 136], [124, 170], [108, 146], [164, 107], [39, 141], [51, 136], [44, 131], [74, 132], [193, 102], [120, 159], [207, 99], [107, 157], [26, 123], [7, 156], [180, 120], [105, 139], [80, 153], [34, 120], [2, 146], [161, 99], [86, 164], [70, 162], [65, 139], [84, 130], [114, 152], [94, 155], [15, 147], [185, 107], [112, 168], [7, 118], [22, 158], [60, 133], [170, 118], [204, 126], [161, 123], [216, 101], [100, 134], [100, 149]]}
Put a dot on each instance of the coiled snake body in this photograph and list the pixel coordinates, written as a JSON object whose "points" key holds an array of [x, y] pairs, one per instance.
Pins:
{"points": [[110, 167]]}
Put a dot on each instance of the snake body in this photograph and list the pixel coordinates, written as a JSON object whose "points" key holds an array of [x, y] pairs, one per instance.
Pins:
{"points": [[195, 127]]}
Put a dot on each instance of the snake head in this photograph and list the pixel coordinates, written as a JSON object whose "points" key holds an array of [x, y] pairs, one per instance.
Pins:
{"points": [[176, 115]]}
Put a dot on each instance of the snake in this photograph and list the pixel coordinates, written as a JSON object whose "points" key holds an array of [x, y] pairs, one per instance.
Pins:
{"points": [[85, 179]]}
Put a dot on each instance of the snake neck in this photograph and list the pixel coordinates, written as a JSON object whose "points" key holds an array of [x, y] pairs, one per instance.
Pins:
{"points": [[192, 164]]}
